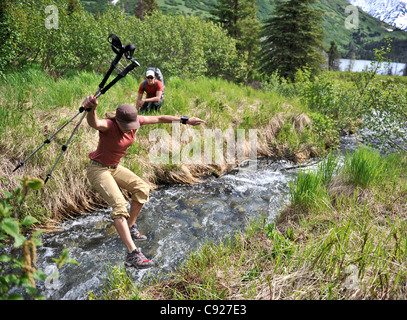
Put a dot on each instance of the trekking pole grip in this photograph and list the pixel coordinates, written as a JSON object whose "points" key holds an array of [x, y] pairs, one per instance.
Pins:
{"points": [[82, 109]]}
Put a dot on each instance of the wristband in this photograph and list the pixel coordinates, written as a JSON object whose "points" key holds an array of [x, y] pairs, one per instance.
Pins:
{"points": [[184, 119]]}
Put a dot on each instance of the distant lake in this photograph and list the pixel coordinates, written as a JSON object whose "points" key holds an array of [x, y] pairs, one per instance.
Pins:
{"points": [[360, 65]]}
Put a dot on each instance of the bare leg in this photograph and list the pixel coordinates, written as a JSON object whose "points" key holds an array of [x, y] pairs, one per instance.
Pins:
{"points": [[135, 208], [124, 233]]}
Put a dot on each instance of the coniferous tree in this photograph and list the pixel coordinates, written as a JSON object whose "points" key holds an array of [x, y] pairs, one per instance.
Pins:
{"points": [[6, 47], [145, 7], [292, 38], [73, 6], [239, 19], [333, 57]]}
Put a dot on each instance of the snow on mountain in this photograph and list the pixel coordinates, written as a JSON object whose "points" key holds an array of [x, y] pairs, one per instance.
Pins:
{"points": [[393, 12]]}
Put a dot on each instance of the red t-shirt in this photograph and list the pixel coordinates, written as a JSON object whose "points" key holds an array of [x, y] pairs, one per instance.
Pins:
{"points": [[150, 90], [113, 144]]}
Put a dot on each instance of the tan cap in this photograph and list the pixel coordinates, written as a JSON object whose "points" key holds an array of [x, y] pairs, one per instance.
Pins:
{"points": [[126, 114]]}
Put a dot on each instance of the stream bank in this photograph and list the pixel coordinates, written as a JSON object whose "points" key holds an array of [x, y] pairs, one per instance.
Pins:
{"points": [[177, 220]]}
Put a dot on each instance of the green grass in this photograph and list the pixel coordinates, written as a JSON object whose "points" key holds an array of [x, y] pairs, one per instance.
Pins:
{"points": [[353, 249], [309, 189], [363, 168]]}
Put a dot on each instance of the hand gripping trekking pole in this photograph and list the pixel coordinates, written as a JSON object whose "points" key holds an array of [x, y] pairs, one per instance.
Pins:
{"points": [[100, 92], [120, 50]]}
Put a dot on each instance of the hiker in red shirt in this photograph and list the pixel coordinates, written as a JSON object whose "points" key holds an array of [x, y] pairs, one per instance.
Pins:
{"points": [[107, 176], [154, 93]]}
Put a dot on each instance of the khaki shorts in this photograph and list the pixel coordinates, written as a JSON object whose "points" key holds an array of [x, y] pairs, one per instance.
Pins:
{"points": [[107, 182]]}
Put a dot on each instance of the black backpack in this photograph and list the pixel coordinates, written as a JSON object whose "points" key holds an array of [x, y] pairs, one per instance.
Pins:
{"points": [[158, 76]]}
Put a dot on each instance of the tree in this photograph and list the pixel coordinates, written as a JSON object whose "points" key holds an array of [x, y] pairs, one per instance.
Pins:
{"points": [[73, 6], [333, 57], [239, 19], [4, 35], [292, 38], [145, 7]]}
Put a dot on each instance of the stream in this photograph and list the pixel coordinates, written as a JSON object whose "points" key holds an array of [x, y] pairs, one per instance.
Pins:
{"points": [[177, 220]]}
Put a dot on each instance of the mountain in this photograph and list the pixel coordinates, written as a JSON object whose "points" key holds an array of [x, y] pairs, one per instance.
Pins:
{"points": [[358, 43], [369, 32], [394, 12]]}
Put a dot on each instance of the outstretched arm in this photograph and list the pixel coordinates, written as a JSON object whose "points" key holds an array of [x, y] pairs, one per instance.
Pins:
{"points": [[194, 121]]}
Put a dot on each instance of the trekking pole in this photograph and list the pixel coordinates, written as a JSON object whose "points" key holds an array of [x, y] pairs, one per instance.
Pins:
{"points": [[128, 52], [48, 140], [120, 50], [65, 146]]}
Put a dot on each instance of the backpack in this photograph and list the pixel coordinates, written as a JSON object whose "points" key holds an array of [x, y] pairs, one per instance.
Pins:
{"points": [[158, 76]]}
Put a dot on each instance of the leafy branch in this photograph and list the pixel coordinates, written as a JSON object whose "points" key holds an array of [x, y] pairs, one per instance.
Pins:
{"points": [[21, 271]]}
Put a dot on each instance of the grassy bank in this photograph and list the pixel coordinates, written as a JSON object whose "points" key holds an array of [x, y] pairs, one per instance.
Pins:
{"points": [[33, 105], [341, 237]]}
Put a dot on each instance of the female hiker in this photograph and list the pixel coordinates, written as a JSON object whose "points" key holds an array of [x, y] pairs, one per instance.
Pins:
{"points": [[106, 175]]}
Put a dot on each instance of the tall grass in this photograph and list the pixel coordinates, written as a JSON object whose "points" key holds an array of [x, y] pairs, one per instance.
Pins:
{"points": [[309, 190], [353, 249], [363, 168]]}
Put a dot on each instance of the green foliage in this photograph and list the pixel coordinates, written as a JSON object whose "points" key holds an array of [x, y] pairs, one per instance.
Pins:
{"points": [[307, 192], [334, 101], [64, 258], [362, 41], [292, 39], [178, 45], [118, 284], [326, 129], [283, 246], [333, 57], [354, 100], [381, 103], [184, 46], [6, 36], [145, 7], [20, 270], [239, 18], [363, 168]]}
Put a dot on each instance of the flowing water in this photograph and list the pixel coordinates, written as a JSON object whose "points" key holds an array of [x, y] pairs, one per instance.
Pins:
{"points": [[177, 220]]}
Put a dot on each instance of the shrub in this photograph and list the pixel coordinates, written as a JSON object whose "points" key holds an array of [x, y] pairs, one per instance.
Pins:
{"points": [[178, 45], [20, 271]]}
